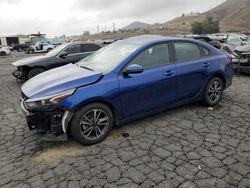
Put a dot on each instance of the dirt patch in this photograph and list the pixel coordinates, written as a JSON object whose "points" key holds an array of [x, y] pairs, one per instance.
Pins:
{"points": [[59, 152]]}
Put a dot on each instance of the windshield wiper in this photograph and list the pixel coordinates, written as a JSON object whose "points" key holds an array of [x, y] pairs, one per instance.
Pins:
{"points": [[86, 68]]}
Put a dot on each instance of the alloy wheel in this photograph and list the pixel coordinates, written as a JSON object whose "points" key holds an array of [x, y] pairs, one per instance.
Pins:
{"points": [[214, 91], [94, 124]]}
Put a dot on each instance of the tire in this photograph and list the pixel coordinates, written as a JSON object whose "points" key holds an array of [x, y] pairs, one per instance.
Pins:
{"points": [[35, 71], [30, 51], [213, 92], [49, 49], [85, 130], [2, 53]]}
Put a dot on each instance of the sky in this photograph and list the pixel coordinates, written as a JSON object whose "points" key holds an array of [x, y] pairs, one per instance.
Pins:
{"points": [[72, 17]]}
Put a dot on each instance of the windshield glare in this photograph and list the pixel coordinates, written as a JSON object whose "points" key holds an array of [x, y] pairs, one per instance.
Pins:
{"points": [[106, 59], [56, 50]]}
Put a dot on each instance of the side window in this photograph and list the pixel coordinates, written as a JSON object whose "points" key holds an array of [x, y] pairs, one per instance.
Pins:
{"points": [[154, 56], [186, 51], [74, 49], [90, 47]]}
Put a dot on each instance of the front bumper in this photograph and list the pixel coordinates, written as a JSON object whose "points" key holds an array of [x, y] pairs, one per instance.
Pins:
{"points": [[50, 124], [19, 74], [242, 65]]}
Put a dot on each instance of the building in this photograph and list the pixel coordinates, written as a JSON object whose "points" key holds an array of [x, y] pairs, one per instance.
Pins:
{"points": [[21, 39]]}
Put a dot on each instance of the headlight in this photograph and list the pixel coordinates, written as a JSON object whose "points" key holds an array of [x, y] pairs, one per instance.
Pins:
{"points": [[47, 101]]}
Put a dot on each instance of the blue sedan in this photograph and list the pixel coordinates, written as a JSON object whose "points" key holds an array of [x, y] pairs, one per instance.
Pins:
{"points": [[124, 81]]}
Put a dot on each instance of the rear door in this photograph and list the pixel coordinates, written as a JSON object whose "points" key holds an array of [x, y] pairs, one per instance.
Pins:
{"points": [[154, 87], [192, 67]]}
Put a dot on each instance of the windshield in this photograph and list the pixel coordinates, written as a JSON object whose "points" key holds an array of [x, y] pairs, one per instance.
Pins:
{"points": [[108, 58], [56, 50]]}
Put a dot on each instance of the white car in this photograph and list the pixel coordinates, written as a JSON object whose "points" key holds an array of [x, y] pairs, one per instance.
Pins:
{"points": [[4, 51], [40, 48]]}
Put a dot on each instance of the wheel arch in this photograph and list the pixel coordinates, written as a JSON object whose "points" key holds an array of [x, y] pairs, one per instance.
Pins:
{"points": [[221, 76]]}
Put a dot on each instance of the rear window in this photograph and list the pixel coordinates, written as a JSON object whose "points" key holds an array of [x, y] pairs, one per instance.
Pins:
{"points": [[205, 51], [186, 51]]}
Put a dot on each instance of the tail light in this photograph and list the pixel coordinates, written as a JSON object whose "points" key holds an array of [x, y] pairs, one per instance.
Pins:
{"points": [[230, 57]]}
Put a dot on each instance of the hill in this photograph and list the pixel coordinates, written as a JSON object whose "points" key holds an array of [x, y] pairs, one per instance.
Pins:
{"points": [[136, 25], [234, 15]]}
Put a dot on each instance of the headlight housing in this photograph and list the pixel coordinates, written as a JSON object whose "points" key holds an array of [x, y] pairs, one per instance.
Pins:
{"points": [[47, 101]]}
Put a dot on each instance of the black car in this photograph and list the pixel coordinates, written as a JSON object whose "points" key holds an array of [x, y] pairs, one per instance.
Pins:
{"points": [[64, 54], [20, 47], [208, 40]]}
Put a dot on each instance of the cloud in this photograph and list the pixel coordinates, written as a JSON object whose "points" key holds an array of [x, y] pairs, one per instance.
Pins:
{"points": [[56, 17]]}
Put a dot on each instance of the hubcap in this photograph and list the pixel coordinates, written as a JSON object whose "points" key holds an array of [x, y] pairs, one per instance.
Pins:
{"points": [[94, 124], [214, 91]]}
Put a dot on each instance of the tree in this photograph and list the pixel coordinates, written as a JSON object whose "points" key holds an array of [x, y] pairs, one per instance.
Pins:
{"points": [[197, 28], [208, 26]]}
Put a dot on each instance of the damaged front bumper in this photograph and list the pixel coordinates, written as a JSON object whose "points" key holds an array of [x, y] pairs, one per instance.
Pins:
{"points": [[241, 65], [50, 124], [18, 72]]}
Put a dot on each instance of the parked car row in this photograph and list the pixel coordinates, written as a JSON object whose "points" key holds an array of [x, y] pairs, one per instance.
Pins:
{"points": [[126, 80]]}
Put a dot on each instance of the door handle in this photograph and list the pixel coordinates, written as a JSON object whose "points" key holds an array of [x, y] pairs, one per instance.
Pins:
{"points": [[206, 65], [169, 73]]}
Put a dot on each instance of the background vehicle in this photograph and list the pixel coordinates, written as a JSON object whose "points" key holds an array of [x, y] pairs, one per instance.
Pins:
{"points": [[240, 58], [204, 38], [20, 47], [4, 51], [40, 47], [61, 55], [235, 40], [208, 40], [124, 81]]}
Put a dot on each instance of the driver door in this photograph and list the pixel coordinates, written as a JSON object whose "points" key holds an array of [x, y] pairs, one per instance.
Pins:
{"points": [[73, 56]]}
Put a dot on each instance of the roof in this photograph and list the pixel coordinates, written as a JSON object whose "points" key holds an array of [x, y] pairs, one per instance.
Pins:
{"points": [[147, 39]]}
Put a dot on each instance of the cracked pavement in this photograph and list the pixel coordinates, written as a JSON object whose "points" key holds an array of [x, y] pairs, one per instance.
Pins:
{"points": [[191, 146]]}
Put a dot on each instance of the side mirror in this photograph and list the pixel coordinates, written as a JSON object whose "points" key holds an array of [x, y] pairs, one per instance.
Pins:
{"points": [[134, 69], [63, 54]]}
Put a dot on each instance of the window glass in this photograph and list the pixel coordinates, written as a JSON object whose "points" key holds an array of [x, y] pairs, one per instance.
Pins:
{"points": [[90, 47], [154, 56], [234, 40], [204, 51], [186, 51], [74, 49], [109, 57]]}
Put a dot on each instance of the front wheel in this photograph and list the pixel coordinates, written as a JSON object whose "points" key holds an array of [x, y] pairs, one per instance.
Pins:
{"points": [[213, 92], [92, 123], [49, 49], [35, 71], [2, 53]]}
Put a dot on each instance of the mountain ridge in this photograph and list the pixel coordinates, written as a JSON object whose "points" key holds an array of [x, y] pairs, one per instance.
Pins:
{"points": [[233, 15]]}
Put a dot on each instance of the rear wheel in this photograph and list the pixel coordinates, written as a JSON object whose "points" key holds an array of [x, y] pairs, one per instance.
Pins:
{"points": [[31, 51], [35, 71], [2, 53], [92, 123], [213, 92]]}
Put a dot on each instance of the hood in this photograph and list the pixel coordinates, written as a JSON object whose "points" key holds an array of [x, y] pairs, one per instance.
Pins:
{"points": [[58, 80], [245, 48], [29, 60]]}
